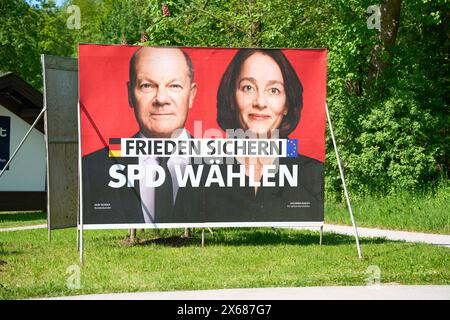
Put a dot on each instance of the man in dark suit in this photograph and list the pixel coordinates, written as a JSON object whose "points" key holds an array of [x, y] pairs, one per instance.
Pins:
{"points": [[161, 91]]}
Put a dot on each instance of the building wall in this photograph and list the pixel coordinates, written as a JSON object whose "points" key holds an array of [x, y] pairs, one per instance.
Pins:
{"points": [[27, 170]]}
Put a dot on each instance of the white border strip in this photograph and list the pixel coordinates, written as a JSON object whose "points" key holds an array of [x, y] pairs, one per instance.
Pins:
{"points": [[308, 224], [208, 148]]}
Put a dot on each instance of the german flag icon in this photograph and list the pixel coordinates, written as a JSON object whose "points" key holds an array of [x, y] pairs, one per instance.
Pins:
{"points": [[114, 148]]}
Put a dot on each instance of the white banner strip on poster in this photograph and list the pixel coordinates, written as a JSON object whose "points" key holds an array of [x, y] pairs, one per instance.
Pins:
{"points": [[140, 147], [285, 224]]}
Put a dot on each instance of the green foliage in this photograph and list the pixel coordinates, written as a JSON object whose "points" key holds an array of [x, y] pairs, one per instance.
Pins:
{"points": [[392, 133], [26, 33], [420, 211]]}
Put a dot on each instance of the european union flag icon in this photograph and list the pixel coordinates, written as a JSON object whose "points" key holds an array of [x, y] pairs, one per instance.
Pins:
{"points": [[292, 148]]}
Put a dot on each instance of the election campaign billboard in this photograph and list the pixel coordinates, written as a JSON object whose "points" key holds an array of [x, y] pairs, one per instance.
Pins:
{"points": [[181, 136]]}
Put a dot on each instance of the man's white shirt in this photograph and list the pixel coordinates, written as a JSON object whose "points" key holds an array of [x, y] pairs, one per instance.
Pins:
{"points": [[148, 193]]}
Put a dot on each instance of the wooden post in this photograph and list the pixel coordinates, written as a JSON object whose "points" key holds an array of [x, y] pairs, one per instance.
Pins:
{"points": [[133, 235], [60, 80]]}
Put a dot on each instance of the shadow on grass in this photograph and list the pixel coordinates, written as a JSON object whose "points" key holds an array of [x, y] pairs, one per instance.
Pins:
{"points": [[6, 252], [21, 216], [169, 241], [10, 252], [252, 237]]}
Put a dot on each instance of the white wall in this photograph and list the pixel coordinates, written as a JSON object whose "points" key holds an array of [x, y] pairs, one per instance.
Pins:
{"points": [[27, 170]]}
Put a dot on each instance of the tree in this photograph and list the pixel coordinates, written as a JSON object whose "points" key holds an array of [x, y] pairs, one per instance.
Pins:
{"points": [[383, 51], [387, 91], [26, 33]]}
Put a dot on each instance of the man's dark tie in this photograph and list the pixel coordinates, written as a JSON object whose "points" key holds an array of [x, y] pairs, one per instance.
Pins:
{"points": [[164, 195]]}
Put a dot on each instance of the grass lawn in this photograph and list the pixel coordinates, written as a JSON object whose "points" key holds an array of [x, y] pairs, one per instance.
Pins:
{"points": [[231, 258], [428, 212], [30, 266], [22, 218]]}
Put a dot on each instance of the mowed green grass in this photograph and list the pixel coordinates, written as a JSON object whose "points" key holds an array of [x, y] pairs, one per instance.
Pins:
{"points": [[423, 212], [231, 258]]}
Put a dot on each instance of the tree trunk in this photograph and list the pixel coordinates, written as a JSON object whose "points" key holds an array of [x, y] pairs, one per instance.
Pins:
{"points": [[254, 33], [187, 233], [382, 52]]}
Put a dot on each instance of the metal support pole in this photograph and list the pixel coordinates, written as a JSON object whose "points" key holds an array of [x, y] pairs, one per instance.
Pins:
{"points": [[81, 245], [343, 182], [210, 230], [49, 230], [78, 239], [23, 140], [80, 195], [78, 217], [321, 235], [203, 238]]}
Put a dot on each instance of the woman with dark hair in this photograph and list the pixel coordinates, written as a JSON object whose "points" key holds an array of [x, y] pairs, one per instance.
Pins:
{"points": [[260, 94], [253, 65]]}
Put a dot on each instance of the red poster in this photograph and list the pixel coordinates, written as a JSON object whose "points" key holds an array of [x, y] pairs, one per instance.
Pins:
{"points": [[210, 136]]}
